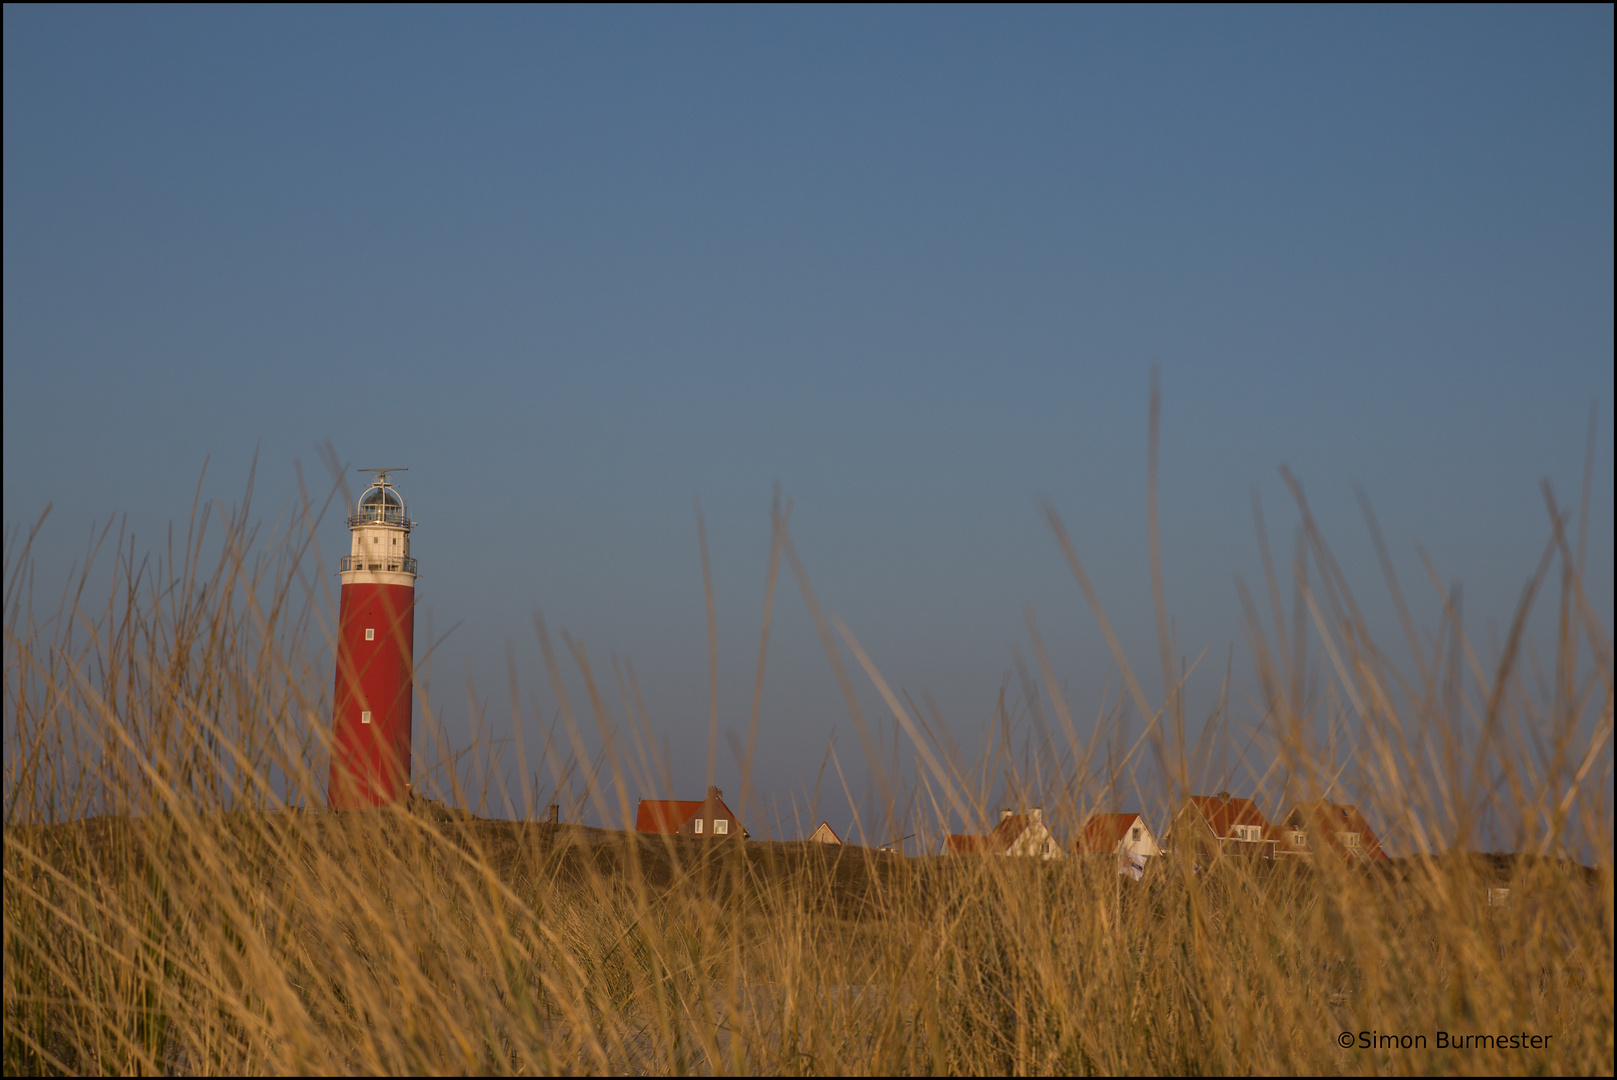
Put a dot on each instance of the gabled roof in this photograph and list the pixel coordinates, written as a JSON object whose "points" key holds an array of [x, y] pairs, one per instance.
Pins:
{"points": [[669, 815], [825, 834], [999, 840], [665, 815], [1006, 832], [1103, 832], [1223, 811], [1328, 818], [964, 844]]}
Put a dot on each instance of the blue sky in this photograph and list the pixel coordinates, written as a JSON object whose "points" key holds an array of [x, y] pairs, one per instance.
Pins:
{"points": [[578, 267]]}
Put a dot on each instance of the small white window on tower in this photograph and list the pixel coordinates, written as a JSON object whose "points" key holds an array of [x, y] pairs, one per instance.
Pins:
{"points": [[365, 717], [721, 827], [370, 634], [698, 826]]}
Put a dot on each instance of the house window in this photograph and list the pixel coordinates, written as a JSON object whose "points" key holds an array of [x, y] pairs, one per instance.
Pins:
{"points": [[698, 826], [1299, 839], [721, 827], [365, 717], [1137, 832], [370, 634], [1351, 839]]}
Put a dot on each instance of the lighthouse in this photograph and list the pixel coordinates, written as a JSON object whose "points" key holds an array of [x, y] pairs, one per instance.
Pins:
{"points": [[370, 746]]}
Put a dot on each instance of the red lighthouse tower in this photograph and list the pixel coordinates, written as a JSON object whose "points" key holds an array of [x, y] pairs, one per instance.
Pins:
{"points": [[370, 748]]}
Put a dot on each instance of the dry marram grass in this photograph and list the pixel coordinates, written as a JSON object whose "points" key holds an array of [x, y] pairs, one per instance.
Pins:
{"points": [[170, 909]]}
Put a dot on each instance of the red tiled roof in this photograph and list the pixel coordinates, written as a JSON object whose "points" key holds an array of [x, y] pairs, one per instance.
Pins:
{"points": [[1328, 818], [1004, 834], [1103, 832], [963, 844], [670, 815], [665, 815], [1222, 814], [999, 839]]}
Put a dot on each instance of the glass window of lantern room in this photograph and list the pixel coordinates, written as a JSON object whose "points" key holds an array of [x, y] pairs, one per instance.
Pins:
{"points": [[698, 826], [720, 827]]}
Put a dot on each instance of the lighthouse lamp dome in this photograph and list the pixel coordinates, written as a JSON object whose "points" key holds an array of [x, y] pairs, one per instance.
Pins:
{"points": [[381, 504]]}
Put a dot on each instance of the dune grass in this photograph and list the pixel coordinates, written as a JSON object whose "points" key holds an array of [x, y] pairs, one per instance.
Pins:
{"points": [[175, 903]]}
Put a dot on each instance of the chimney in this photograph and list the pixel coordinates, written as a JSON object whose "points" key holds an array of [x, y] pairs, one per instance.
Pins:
{"points": [[1224, 796], [1003, 814], [1037, 813], [714, 793], [555, 814]]}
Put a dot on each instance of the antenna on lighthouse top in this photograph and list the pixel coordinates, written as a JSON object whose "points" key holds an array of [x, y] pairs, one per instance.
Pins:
{"points": [[381, 474]]}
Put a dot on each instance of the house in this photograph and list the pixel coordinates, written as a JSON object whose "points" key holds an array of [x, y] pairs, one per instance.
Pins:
{"points": [[1015, 834], [824, 835], [1125, 836], [708, 817], [1223, 823], [1331, 826]]}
